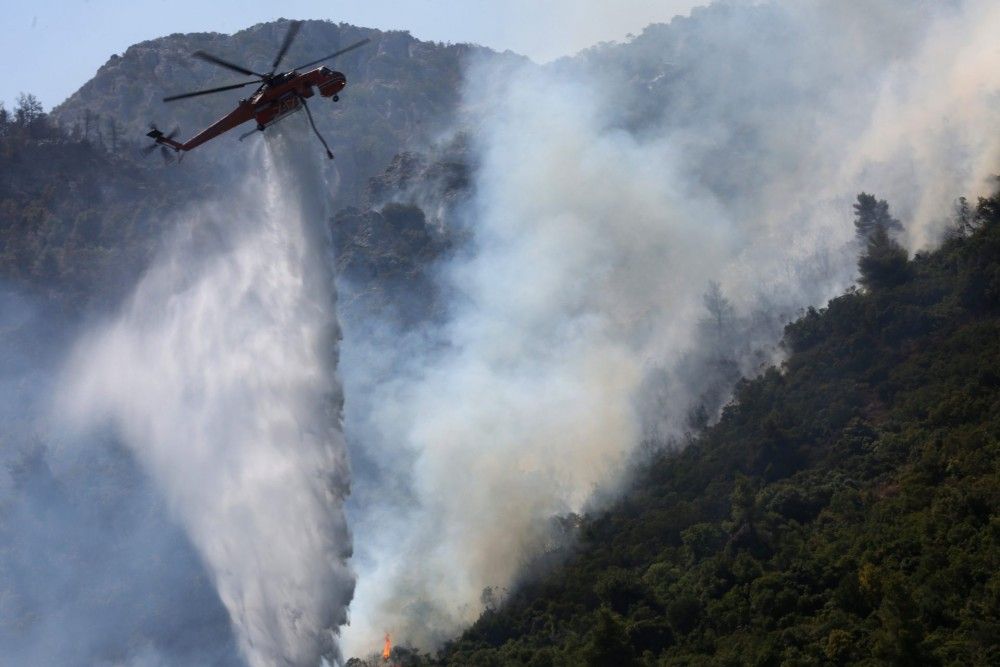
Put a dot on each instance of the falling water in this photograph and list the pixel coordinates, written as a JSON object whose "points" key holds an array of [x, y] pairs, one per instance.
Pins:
{"points": [[219, 373]]}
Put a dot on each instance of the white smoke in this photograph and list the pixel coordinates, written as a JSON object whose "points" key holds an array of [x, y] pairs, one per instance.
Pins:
{"points": [[219, 374], [611, 190]]}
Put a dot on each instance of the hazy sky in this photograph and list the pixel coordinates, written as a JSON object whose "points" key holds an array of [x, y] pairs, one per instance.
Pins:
{"points": [[51, 47]]}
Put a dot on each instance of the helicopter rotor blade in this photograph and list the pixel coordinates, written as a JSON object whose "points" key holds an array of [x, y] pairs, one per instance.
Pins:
{"points": [[293, 30], [209, 91], [336, 53], [216, 60]]}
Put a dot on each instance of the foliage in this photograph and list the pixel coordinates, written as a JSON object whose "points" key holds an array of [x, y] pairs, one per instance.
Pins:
{"points": [[871, 215], [78, 221], [845, 508], [883, 264]]}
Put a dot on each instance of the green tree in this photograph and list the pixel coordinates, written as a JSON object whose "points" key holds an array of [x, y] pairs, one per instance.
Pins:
{"points": [[899, 637], [684, 613], [964, 217], [884, 262], [607, 644], [871, 214]]}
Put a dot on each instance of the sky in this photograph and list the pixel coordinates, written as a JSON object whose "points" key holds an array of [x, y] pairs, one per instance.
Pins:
{"points": [[52, 47]]}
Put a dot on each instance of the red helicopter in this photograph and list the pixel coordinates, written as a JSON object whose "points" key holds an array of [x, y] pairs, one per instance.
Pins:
{"points": [[277, 96]]}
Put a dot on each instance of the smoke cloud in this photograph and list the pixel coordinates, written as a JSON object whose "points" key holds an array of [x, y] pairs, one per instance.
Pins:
{"points": [[220, 376], [93, 569], [624, 201]]}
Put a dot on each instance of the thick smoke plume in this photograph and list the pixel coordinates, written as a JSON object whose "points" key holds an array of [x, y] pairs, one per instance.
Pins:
{"points": [[712, 161], [219, 375]]}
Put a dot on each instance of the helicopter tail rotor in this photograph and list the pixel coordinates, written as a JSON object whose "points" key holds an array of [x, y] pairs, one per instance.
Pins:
{"points": [[165, 142]]}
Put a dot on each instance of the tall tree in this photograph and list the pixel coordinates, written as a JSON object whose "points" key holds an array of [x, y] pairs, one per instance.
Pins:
{"points": [[28, 110], [871, 214], [884, 263], [721, 312]]}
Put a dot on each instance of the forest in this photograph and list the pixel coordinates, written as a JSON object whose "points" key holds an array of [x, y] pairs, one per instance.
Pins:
{"points": [[845, 508]]}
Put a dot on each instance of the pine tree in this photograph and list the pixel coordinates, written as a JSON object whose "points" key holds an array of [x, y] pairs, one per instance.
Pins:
{"points": [[871, 214], [884, 263]]}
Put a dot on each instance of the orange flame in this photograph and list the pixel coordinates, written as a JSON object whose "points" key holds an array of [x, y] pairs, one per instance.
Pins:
{"points": [[387, 649]]}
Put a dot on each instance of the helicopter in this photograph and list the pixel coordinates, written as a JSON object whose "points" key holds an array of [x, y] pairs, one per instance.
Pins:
{"points": [[277, 96]]}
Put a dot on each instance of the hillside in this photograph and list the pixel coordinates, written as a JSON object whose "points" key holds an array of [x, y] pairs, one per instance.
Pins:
{"points": [[516, 248], [81, 212], [401, 91], [845, 508], [78, 220]]}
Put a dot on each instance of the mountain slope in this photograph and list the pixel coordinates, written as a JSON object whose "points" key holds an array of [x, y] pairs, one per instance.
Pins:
{"points": [[401, 91], [78, 222], [845, 509]]}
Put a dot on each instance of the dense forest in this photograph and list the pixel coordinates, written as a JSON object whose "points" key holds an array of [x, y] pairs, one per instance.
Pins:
{"points": [[845, 509]]}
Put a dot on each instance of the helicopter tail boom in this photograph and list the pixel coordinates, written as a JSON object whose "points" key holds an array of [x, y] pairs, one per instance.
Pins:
{"points": [[165, 140]]}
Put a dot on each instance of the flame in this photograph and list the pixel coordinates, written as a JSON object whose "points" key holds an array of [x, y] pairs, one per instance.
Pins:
{"points": [[387, 649]]}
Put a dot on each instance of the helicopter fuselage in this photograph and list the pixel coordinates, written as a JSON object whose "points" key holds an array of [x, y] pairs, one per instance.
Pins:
{"points": [[276, 98]]}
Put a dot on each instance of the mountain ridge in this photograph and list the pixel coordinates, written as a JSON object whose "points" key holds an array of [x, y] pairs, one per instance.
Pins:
{"points": [[401, 92]]}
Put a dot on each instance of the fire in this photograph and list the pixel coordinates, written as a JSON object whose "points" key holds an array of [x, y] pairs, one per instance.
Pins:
{"points": [[387, 649]]}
